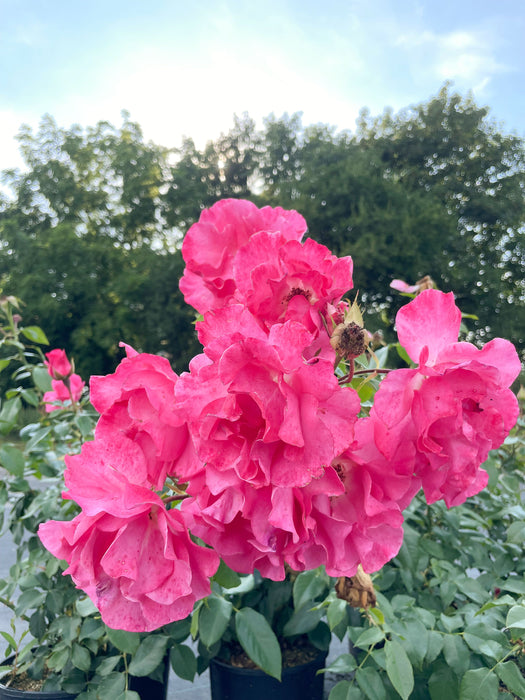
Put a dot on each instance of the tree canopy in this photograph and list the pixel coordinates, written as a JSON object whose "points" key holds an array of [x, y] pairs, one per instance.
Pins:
{"points": [[90, 239]]}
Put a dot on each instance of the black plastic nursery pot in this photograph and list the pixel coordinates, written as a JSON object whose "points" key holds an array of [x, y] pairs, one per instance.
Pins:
{"points": [[147, 688], [298, 682], [8, 693]]}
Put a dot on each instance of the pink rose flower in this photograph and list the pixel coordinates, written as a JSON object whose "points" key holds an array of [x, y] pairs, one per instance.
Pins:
{"points": [[63, 392], [267, 418], [210, 247], [133, 557], [262, 528], [454, 408], [141, 571], [58, 366], [272, 274], [138, 401], [349, 515], [259, 407]]}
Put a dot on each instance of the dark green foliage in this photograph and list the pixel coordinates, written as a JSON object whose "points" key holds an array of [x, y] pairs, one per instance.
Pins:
{"points": [[85, 245], [90, 240]]}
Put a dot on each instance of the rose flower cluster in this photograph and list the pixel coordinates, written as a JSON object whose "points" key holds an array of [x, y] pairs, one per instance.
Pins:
{"points": [[262, 449]]}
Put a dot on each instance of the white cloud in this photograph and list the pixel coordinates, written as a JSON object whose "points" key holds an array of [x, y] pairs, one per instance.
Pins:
{"points": [[465, 57]]}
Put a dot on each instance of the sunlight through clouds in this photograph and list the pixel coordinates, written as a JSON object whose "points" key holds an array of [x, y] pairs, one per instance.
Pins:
{"points": [[181, 70]]}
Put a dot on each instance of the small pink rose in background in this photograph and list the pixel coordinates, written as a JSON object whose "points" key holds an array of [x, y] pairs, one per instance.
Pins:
{"points": [[66, 386], [58, 365], [401, 286], [69, 390]]}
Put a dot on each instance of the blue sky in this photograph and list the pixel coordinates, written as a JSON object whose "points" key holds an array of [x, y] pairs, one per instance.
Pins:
{"points": [[182, 70]]}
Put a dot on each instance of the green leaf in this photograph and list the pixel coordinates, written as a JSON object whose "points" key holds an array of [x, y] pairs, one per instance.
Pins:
{"points": [[9, 639], [30, 397], [58, 659], [214, 617], [484, 639], [106, 666], [226, 577], [12, 459], [149, 655], [80, 657], [377, 615], [9, 414], [456, 653], [399, 668], [509, 673], [479, 684], [443, 684], [435, 645], [516, 617], [514, 585], [112, 685], [30, 599], [194, 626], [403, 354], [4, 363], [127, 642], [307, 587], [451, 622], [370, 682], [345, 663], [370, 636], [320, 636], [35, 335], [41, 378], [336, 612], [259, 641], [472, 588], [516, 532], [344, 690], [85, 607], [247, 584], [302, 621], [128, 695], [85, 425], [415, 636], [183, 662], [179, 630]]}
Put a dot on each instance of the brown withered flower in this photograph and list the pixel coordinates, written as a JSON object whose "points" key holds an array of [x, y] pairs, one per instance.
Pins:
{"points": [[358, 590]]}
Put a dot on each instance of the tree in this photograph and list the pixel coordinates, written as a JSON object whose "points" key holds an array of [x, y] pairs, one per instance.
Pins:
{"points": [[449, 148], [82, 243], [436, 189]]}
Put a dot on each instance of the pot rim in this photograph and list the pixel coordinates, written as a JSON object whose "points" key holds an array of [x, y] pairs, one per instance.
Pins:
{"points": [[257, 672]]}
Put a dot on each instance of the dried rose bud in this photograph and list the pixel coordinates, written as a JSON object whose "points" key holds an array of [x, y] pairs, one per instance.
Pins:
{"points": [[349, 340], [358, 590]]}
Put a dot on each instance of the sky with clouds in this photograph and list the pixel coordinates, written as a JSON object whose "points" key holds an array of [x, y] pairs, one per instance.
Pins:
{"points": [[184, 70]]}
